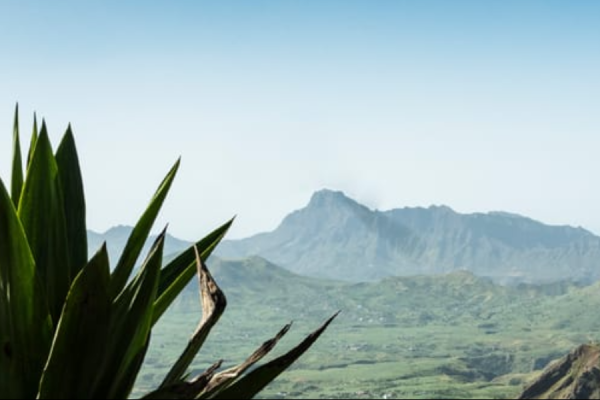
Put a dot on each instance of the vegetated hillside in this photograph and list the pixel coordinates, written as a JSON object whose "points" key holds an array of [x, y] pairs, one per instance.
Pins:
{"points": [[450, 335], [458, 296], [337, 238]]}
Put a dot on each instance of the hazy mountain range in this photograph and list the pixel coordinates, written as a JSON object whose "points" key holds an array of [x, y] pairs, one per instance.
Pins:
{"points": [[335, 237]]}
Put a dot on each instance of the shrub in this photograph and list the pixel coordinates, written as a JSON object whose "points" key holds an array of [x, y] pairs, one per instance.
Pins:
{"points": [[72, 327]]}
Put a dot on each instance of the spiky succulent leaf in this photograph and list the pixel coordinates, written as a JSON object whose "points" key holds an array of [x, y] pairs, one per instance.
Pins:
{"points": [[25, 328], [123, 385], [17, 162], [74, 201], [78, 348], [139, 234], [33, 140], [129, 328], [41, 212]]}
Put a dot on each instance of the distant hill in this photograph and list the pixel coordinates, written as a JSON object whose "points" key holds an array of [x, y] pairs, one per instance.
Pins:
{"points": [[335, 237], [116, 239], [256, 282], [456, 296]]}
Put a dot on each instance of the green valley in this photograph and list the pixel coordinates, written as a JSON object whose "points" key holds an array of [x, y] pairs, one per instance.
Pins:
{"points": [[435, 304], [441, 336]]}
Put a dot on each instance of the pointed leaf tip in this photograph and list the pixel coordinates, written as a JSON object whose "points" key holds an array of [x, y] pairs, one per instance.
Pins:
{"points": [[73, 197], [17, 162], [140, 233], [43, 129], [33, 140]]}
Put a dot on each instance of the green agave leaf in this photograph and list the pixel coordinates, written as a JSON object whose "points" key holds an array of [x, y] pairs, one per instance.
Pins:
{"points": [[251, 384], [140, 233], [124, 384], [33, 140], [17, 163], [178, 273], [129, 328], [213, 305], [41, 212], [25, 328], [74, 201], [79, 343]]}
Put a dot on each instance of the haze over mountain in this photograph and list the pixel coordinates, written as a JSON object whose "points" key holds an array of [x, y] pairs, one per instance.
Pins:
{"points": [[336, 237]]}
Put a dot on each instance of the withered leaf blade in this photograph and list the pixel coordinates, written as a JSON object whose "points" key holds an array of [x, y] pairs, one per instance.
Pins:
{"points": [[251, 384], [214, 303], [185, 390], [223, 379]]}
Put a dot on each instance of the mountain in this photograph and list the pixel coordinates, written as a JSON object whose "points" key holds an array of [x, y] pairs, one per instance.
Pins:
{"points": [[116, 239], [335, 237], [575, 376]]}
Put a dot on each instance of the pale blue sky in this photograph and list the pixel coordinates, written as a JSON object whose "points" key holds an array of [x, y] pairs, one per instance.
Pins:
{"points": [[480, 105]]}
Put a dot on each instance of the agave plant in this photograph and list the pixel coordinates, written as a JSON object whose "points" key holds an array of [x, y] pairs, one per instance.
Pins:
{"points": [[72, 327]]}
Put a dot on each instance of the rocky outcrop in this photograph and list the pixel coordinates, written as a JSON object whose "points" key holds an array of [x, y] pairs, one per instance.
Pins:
{"points": [[575, 376]]}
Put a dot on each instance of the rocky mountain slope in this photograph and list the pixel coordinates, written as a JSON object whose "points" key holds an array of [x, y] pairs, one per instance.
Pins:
{"points": [[575, 376], [336, 237]]}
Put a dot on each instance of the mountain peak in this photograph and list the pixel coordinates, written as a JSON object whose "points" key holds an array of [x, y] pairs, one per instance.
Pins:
{"points": [[323, 194], [326, 198], [442, 208]]}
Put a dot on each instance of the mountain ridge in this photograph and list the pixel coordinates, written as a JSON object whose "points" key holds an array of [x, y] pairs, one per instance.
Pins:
{"points": [[336, 237]]}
